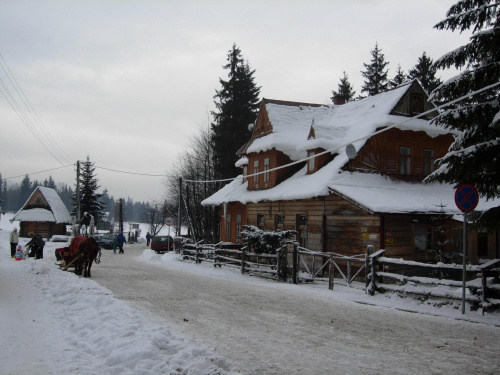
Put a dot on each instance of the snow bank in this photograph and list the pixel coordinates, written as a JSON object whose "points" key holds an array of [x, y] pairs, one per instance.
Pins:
{"points": [[56, 322]]}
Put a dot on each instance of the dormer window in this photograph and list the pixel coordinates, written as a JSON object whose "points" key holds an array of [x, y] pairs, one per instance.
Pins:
{"points": [[245, 172], [417, 104], [311, 163]]}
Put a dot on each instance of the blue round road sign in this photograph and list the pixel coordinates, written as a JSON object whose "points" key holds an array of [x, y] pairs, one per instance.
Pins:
{"points": [[466, 197]]}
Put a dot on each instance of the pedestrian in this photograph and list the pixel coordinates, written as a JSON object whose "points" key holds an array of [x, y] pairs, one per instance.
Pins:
{"points": [[121, 240], [14, 239], [148, 238], [36, 245]]}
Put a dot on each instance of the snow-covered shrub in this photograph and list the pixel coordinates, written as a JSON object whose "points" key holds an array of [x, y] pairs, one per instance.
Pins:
{"points": [[265, 242]]}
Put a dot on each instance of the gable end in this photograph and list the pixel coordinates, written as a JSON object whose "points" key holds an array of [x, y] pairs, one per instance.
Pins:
{"points": [[414, 102]]}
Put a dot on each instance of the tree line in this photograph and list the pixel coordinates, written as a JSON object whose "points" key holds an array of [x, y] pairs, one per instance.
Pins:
{"points": [[473, 157], [13, 197]]}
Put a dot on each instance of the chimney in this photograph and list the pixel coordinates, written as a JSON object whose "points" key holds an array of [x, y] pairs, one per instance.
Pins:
{"points": [[339, 100]]}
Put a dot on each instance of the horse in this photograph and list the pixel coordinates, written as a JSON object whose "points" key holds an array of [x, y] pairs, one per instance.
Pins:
{"points": [[89, 252]]}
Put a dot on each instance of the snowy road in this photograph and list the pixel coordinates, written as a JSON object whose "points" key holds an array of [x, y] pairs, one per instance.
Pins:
{"points": [[263, 327]]}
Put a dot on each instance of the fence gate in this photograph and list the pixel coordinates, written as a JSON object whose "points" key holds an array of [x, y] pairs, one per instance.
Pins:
{"points": [[330, 261]]}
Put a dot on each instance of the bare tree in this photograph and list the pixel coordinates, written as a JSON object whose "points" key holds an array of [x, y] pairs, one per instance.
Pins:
{"points": [[155, 217], [195, 166]]}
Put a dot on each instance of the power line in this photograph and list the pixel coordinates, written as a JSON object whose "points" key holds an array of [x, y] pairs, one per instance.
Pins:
{"points": [[292, 163], [37, 128], [134, 173], [36, 117], [31, 173]]}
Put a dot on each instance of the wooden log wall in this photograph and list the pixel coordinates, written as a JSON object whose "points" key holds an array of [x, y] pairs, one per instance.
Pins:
{"points": [[333, 224], [45, 229]]}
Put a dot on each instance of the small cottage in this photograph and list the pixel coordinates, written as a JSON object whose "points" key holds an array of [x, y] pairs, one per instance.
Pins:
{"points": [[44, 213], [349, 175]]}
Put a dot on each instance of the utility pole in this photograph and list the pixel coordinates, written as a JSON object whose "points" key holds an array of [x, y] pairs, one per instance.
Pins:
{"points": [[78, 218], [121, 216], [179, 208]]}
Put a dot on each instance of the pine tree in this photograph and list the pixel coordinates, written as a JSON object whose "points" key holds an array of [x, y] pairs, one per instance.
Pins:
{"points": [[66, 194], [425, 72], [89, 198], [345, 89], [474, 155], [399, 78], [1, 189], [108, 202], [50, 183], [375, 75], [25, 190], [237, 103]]}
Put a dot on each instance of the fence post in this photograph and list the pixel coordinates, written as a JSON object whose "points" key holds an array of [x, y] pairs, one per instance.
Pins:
{"points": [[278, 265], [374, 276], [373, 260], [369, 251], [295, 265], [313, 263], [348, 272], [243, 260], [331, 274]]}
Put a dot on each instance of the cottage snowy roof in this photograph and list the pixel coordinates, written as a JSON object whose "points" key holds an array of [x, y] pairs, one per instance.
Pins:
{"points": [[43, 205], [335, 128]]}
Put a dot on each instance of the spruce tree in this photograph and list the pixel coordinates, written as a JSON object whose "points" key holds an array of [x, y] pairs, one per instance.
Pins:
{"points": [[237, 103], [474, 155], [50, 183], [89, 198], [425, 72], [345, 89], [25, 190], [375, 73], [399, 78]]}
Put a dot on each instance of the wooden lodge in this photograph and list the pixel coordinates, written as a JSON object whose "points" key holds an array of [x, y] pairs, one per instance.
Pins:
{"points": [[349, 176], [44, 213]]}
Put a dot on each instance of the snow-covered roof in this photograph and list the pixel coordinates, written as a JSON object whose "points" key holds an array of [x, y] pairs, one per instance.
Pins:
{"points": [[336, 126], [339, 126], [372, 192], [58, 213], [376, 193]]}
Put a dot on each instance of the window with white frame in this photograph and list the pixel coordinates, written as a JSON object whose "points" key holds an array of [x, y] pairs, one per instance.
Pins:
{"points": [[256, 170], [266, 170], [311, 163], [245, 172]]}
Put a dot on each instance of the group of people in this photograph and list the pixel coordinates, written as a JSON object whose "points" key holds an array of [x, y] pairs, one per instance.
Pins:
{"points": [[35, 245]]}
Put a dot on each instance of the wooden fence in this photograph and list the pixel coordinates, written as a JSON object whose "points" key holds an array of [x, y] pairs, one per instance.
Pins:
{"points": [[305, 266], [230, 255], [379, 273], [409, 277]]}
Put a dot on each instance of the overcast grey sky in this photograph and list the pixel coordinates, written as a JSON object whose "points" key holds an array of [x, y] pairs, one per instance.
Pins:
{"points": [[129, 82]]}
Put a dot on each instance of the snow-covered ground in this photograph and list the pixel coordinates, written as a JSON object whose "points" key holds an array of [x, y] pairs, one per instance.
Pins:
{"points": [[53, 322]]}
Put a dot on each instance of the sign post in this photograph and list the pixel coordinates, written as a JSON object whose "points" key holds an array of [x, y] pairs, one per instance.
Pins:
{"points": [[466, 199], [169, 221]]}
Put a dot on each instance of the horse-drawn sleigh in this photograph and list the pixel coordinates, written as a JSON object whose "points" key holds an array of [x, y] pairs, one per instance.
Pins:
{"points": [[80, 254]]}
